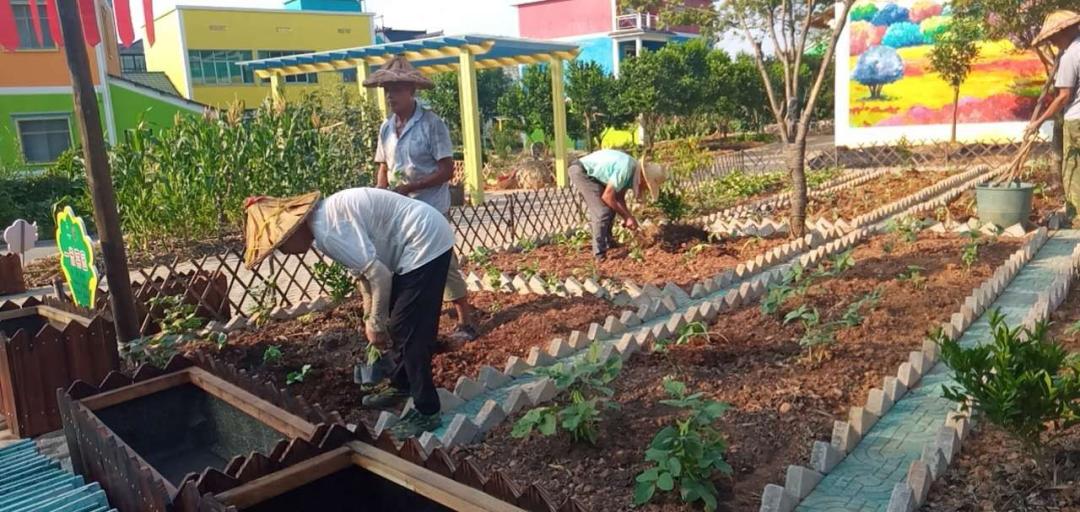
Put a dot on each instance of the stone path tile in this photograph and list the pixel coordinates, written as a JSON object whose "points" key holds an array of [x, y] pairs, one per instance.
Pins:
{"points": [[865, 478]]}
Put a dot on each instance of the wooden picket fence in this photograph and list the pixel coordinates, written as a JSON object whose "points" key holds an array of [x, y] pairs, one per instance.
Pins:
{"points": [[34, 363]]}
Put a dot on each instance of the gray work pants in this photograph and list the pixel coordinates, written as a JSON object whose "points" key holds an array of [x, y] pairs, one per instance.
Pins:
{"points": [[601, 215]]}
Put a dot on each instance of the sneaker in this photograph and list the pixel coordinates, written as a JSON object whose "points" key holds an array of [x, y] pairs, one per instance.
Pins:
{"points": [[385, 398], [464, 333], [415, 423]]}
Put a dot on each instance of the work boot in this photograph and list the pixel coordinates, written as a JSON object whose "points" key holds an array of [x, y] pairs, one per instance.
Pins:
{"points": [[463, 333], [415, 423], [388, 397]]}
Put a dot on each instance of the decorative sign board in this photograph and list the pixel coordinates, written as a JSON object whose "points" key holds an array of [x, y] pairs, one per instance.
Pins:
{"points": [[76, 257], [20, 237]]}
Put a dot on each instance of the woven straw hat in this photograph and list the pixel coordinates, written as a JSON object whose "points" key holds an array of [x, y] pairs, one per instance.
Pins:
{"points": [[271, 221], [1056, 22], [398, 71], [654, 176]]}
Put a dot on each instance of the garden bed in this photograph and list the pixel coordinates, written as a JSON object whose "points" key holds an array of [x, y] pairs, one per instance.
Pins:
{"points": [[1049, 196], [332, 342], [994, 472], [851, 202], [782, 401]]}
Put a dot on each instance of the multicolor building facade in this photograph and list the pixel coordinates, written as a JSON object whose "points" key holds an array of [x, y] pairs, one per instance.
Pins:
{"points": [[198, 47], [36, 105], [605, 34]]}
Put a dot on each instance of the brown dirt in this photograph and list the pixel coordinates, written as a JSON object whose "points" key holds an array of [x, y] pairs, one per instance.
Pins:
{"points": [[333, 341], [693, 259], [850, 203], [994, 473], [1049, 196], [781, 400]]}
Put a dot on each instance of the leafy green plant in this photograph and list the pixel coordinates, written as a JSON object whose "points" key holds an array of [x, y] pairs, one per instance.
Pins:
{"points": [[529, 270], [775, 297], [576, 240], [372, 354], [177, 322], [297, 376], [841, 262], [804, 313], [220, 340], [970, 255], [815, 338], [1022, 382], [271, 354], [636, 254], [695, 251], [913, 275], [335, 278], [493, 275], [178, 318], [686, 454], [587, 382], [905, 228], [527, 245], [673, 205], [265, 297], [853, 313], [481, 256], [686, 334], [1073, 329]]}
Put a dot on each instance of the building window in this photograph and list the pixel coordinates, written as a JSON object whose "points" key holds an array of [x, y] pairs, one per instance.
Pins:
{"points": [[24, 25], [43, 139], [219, 67], [348, 76], [132, 63], [308, 78]]}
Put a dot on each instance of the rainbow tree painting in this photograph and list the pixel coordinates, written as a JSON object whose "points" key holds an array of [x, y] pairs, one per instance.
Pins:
{"points": [[892, 84]]}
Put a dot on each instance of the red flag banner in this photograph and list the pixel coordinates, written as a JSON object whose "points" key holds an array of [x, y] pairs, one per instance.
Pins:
{"points": [[9, 35], [148, 18], [89, 22], [124, 28], [54, 22], [35, 18]]}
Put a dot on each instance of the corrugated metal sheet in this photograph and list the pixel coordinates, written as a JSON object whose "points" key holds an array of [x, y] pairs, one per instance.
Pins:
{"points": [[31, 482]]}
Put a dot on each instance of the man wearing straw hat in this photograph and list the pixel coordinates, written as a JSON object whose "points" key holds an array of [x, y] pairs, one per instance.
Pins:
{"points": [[1062, 30], [603, 178], [416, 159], [399, 250]]}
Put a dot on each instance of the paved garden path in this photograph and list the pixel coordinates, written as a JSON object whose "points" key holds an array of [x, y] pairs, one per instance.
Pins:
{"points": [[864, 480]]}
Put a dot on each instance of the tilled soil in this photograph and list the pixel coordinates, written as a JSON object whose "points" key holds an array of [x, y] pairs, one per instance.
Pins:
{"points": [[849, 203], [782, 401], [333, 341], [1049, 196], [682, 263], [995, 473]]}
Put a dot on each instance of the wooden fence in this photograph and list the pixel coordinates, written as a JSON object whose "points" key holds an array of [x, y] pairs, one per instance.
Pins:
{"points": [[34, 362]]}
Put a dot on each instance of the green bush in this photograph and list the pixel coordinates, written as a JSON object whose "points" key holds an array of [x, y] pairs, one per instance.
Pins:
{"points": [[32, 198]]}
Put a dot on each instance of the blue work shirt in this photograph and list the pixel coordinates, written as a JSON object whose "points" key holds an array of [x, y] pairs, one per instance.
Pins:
{"points": [[415, 154], [610, 167]]}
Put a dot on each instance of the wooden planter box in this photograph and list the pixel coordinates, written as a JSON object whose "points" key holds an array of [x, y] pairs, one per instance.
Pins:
{"points": [[11, 274], [199, 436], [43, 348]]}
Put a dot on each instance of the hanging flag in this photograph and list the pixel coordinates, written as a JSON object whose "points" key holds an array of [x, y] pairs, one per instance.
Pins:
{"points": [[35, 18], [54, 22], [148, 18], [122, 10], [9, 36], [88, 13]]}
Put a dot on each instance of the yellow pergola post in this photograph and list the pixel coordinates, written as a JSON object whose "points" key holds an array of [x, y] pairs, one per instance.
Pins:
{"points": [[374, 94], [470, 126], [558, 105], [275, 89]]}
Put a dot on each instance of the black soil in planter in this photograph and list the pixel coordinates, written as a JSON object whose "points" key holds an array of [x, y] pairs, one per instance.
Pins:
{"points": [[349, 490], [185, 430]]}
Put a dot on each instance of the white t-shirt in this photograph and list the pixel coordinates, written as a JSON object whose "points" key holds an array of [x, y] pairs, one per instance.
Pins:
{"points": [[1068, 77], [357, 226]]}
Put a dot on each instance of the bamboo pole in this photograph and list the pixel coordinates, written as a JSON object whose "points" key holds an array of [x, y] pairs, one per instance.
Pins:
{"points": [[97, 172]]}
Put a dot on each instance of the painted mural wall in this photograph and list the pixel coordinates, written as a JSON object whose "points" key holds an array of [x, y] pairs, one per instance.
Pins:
{"points": [[886, 89]]}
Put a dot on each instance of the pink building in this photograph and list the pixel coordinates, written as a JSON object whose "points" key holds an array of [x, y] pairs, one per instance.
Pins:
{"points": [[605, 35]]}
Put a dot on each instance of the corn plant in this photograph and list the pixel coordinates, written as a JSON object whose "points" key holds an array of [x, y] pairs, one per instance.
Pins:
{"points": [[335, 278], [686, 454], [1022, 382], [297, 376]]}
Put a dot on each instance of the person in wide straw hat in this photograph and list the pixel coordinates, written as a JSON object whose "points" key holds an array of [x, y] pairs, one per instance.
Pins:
{"points": [[416, 158], [1062, 30], [603, 179], [399, 250]]}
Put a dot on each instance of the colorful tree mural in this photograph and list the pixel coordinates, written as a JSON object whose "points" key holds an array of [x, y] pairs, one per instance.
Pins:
{"points": [[890, 14], [876, 67], [902, 35], [864, 35]]}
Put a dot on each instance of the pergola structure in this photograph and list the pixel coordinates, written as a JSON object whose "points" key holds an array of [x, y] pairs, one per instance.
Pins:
{"points": [[464, 54]]}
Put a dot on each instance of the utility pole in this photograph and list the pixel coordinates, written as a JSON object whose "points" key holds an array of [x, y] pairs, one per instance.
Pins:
{"points": [[97, 171]]}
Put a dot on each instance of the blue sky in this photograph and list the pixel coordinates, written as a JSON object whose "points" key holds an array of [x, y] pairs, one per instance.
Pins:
{"points": [[496, 17]]}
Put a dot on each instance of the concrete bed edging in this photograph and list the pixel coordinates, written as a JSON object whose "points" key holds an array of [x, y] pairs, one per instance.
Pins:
{"points": [[801, 480]]}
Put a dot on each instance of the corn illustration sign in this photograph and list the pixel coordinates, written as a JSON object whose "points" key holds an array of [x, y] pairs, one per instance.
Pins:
{"points": [[76, 257]]}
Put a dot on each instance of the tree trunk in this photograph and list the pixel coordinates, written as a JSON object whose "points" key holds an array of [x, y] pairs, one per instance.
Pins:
{"points": [[1057, 144], [588, 134], [796, 161], [955, 112]]}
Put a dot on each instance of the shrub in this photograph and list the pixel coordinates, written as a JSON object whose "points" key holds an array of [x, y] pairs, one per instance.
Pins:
{"points": [[902, 35], [1023, 382], [32, 198], [890, 14], [686, 454], [673, 205], [876, 67]]}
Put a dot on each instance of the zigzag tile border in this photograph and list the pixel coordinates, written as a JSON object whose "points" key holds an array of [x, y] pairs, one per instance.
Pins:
{"points": [[824, 456]]}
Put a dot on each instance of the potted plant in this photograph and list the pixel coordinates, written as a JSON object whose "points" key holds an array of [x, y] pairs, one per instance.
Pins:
{"points": [[373, 370]]}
